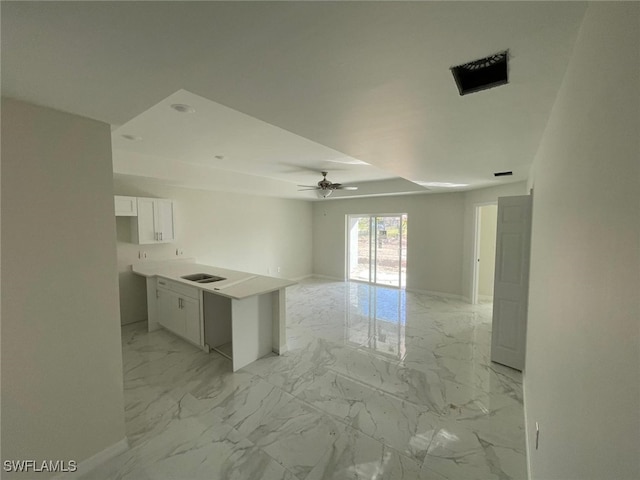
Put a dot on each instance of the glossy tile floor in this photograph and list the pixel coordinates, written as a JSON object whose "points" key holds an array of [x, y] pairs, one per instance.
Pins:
{"points": [[378, 384]]}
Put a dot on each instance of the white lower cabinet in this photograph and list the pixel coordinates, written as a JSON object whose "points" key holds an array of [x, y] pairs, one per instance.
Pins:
{"points": [[178, 310], [191, 313]]}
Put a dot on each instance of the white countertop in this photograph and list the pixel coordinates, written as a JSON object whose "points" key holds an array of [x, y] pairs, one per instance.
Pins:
{"points": [[238, 285]]}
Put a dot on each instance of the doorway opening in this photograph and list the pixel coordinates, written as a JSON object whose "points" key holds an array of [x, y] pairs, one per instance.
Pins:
{"points": [[377, 249], [484, 256]]}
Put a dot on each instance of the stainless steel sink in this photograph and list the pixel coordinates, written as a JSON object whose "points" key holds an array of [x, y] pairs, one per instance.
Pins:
{"points": [[202, 278]]}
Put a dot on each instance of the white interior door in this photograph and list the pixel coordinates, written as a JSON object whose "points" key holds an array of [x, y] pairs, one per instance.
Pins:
{"points": [[511, 281]]}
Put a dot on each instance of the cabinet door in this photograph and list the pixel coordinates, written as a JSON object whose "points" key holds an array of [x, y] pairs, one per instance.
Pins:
{"points": [[145, 221], [164, 220], [125, 206], [178, 323], [164, 302], [191, 312]]}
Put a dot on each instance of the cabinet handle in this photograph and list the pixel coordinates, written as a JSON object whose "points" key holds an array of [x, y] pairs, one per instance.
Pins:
{"points": [[161, 236], [157, 293], [179, 303]]}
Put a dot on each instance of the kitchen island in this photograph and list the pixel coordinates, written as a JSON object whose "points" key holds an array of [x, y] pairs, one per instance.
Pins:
{"points": [[242, 316]]}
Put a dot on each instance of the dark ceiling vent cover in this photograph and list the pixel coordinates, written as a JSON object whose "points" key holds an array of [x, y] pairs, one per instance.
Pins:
{"points": [[481, 74], [503, 174]]}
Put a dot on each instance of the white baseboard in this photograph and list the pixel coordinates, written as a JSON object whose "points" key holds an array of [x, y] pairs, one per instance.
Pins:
{"points": [[279, 351], [327, 277], [303, 277], [96, 460], [438, 294]]}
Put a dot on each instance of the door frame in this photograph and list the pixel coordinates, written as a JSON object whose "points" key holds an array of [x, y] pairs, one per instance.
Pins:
{"points": [[475, 268], [371, 281]]}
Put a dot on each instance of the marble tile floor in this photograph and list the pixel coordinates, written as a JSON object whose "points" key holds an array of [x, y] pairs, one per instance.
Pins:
{"points": [[378, 383]]}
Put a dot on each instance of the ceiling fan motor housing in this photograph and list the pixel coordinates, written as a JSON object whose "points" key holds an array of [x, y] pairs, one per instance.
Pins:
{"points": [[324, 184]]}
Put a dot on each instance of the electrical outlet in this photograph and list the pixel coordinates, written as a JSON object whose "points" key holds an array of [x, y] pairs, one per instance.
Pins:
{"points": [[179, 252], [142, 255]]}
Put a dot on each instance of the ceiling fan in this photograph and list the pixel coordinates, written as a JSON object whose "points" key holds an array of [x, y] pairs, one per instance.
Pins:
{"points": [[325, 187]]}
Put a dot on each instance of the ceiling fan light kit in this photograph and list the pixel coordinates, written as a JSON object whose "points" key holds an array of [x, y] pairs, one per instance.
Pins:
{"points": [[325, 187]]}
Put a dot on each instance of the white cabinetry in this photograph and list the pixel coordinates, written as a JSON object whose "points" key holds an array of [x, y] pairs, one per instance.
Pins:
{"points": [[125, 206], [178, 310], [154, 223]]}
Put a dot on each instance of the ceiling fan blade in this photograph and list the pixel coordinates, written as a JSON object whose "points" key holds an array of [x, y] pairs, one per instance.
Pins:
{"points": [[306, 189], [308, 186], [346, 187]]}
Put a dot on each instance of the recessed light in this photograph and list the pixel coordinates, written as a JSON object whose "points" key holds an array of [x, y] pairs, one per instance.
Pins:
{"points": [[132, 138], [183, 108], [442, 184]]}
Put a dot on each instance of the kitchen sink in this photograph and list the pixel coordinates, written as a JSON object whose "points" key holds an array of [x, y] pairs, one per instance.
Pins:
{"points": [[202, 278]]}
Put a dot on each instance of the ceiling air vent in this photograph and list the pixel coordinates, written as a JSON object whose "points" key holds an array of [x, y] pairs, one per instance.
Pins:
{"points": [[503, 174], [481, 74]]}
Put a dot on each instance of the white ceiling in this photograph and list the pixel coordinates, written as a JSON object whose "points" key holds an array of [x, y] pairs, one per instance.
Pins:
{"points": [[285, 89], [161, 137]]}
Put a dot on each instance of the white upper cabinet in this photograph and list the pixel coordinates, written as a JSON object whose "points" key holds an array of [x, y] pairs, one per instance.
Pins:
{"points": [[126, 206], [154, 223], [164, 209]]}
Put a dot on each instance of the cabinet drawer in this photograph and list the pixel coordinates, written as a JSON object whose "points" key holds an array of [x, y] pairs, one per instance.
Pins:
{"points": [[178, 288]]}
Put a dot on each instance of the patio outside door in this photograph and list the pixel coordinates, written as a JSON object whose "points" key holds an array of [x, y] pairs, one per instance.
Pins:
{"points": [[377, 249]]}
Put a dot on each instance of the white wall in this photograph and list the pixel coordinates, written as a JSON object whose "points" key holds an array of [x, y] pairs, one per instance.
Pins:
{"points": [[583, 355], [471, 199], [487, 249], [241, 232], [61, 352], [434, 236]]}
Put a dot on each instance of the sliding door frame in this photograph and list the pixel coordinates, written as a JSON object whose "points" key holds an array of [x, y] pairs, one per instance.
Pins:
{"points": [[374, 246]]}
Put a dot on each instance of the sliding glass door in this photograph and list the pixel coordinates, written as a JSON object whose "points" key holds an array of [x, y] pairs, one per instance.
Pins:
{"points": [[377, 249]]}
